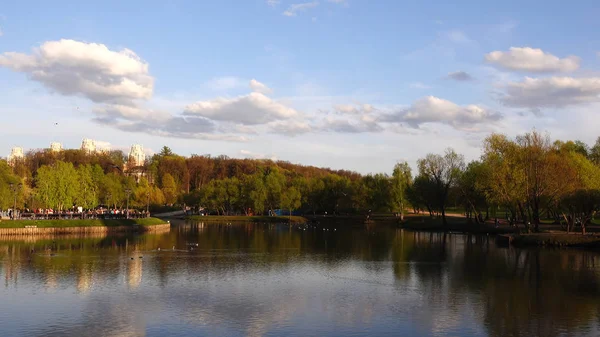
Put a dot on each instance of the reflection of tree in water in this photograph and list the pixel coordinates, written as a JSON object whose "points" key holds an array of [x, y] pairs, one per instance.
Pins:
{"points": [[520, 292], [441, 281]]}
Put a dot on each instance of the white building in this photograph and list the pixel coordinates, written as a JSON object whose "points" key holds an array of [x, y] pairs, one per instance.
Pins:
{"points": [[56, 147], [88, 145], [137, 157], [16, 153]]}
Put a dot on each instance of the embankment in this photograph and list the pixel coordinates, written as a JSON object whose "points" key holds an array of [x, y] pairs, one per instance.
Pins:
{"points": [[256, 219], [557, 240], [81, 227]]}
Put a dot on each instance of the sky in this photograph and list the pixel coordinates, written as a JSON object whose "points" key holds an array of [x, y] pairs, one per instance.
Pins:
{"points": [[346, 84]]}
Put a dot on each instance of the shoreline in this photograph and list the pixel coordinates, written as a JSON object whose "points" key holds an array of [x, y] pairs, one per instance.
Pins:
{"points": [[81, 227], [253, 219]]}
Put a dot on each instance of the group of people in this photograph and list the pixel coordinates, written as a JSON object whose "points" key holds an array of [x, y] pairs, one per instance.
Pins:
{"points": [[75, 213]]}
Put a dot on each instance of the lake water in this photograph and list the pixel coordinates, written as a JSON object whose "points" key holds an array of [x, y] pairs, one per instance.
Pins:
{"points": [[276, 280]]}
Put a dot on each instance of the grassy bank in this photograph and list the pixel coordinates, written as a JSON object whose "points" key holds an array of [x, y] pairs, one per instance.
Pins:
{"points": [[267, 219], [80, 223], [455, 224], [557, 240]]}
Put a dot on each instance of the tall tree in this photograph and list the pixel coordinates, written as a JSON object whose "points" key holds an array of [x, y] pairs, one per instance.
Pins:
{"points": [[401, 181], [444, 172]]}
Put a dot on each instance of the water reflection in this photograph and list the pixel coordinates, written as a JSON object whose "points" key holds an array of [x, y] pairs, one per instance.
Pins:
{"points": [[262, 280]]}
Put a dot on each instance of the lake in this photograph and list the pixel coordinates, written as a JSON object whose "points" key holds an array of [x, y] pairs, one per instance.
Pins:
{"points": [[277, 280]]}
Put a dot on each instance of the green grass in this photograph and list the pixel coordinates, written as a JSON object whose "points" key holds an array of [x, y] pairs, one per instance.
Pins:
{"points": [[80, 223], [270, 219]]}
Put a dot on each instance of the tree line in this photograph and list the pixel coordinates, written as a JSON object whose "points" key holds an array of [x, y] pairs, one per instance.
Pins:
{"points": [[528, 179]]}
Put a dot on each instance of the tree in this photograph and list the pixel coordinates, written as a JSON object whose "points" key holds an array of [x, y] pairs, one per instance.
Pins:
{"points": [[401, 180], [443, 171], [274, 184], [169, 189], [290, 199], [471, 193], [58, 185], [6, 179]]}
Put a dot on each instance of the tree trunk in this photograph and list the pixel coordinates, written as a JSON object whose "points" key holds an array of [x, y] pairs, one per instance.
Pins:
{"points": [[401, 211], [444, 222]]}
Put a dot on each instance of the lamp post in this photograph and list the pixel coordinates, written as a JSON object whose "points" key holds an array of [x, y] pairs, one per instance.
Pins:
{"points": [[128, 191]]}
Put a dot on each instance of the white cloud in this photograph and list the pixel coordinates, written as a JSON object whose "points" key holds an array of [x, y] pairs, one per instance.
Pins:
{"points": [[256, 86], [85, 69], [251, 109], [294, 9], [552, 92], [338, 1], [419, 85], [255, 155], [459, 76], [128, 112], [225, 83], [365, 123], [432, 109], [290, 128], [532, 60], [273, 3], [353, 108]]}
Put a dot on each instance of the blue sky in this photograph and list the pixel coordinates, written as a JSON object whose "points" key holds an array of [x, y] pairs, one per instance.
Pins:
{"points": [[349, 84]]}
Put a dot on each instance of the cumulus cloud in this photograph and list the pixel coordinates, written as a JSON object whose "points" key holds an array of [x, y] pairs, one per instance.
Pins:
{"points": [[532, 60], [251, 109], [552, 92], [290, 128], [256, 86], [459, 76], [85, 69], [128, 112], [273, 3], [139, 119], [365, 123], [294, 9], [353, 108], [177, 127], [432, 109]]}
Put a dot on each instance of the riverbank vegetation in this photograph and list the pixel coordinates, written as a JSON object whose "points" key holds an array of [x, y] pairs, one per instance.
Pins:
{"points": [[526, 181]]}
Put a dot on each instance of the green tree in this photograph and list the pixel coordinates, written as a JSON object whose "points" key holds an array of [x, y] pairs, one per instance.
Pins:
{"points": [[401, 181], [169, 189], [58, 185], [291, 199]]}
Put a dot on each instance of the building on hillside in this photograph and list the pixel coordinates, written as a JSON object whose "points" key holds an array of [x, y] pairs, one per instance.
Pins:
{"points": [[16, 153], [56, 147], [88, 145], [136, 161], [137, 157]]}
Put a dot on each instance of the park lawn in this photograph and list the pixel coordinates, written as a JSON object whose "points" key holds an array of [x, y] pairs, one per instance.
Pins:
{"points": [[269, 219], [80, 223]]}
